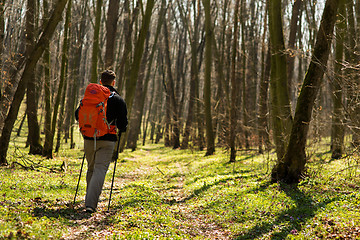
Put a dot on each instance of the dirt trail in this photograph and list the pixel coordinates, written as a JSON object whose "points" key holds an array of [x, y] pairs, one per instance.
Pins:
{"points": [[97, 225], [200, 224]]}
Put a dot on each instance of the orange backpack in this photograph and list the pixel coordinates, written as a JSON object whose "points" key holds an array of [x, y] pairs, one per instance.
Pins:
{"points": [[92, 111]]}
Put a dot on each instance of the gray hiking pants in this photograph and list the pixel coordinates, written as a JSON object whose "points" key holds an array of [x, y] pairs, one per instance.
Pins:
{"points": [[98, 163]]}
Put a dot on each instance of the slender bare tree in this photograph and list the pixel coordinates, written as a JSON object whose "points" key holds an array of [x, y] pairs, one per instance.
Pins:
{"points": [[291, 167]]}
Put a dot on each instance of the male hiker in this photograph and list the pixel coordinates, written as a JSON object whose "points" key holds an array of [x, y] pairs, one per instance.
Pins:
{"points": [[100, 135]]}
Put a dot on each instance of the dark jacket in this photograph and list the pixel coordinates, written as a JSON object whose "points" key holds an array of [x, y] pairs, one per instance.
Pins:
{"points": [[116, 114]]}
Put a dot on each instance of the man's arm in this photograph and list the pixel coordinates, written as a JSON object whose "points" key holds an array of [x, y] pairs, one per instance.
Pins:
{"points": [[77, 114], [121, 120]]}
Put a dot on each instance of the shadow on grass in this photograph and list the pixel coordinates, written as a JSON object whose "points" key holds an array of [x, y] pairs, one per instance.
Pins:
{"points": [[304, 210], [207, 186], [58, 212]]}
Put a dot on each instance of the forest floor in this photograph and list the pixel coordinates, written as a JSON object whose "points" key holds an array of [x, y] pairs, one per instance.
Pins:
{"points": [[161, 193]]}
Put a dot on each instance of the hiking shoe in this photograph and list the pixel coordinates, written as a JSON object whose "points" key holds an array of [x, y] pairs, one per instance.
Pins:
{"points": [[90, 210]]}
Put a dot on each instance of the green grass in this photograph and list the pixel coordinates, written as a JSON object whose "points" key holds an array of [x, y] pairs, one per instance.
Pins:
{"points": [[161, 193]]}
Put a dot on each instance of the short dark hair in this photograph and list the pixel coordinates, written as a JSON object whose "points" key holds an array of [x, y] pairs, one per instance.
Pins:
{"points": [[107, 77]]}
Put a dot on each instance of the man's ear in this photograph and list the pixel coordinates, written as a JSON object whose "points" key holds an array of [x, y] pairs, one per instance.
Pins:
{"points": [[101, 82]]}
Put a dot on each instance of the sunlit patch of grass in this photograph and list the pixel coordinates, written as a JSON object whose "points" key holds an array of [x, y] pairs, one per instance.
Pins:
{"points": [[21, 192]]}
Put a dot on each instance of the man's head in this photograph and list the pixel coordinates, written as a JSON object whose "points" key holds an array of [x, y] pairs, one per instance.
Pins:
{"points": [[108, 77]]}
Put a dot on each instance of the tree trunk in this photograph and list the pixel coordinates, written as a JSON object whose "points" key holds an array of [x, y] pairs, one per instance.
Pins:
{"points": [[199, 119], [199, 108], [149, 110], [47, 92], [167, 120], [223, 95], [137, 111], [30, 65], [291, 167], [2, 36], [49, 150], [337, 128], [158, 101], [111, 28], [290, 58], [234, 86], [280, 103], [95, 48], [357, 11], [154, 108], [170, 87], [60, 119], [352, 74], [31, 99], [246, 81], [180, 72], [64, 70], [194, 77], [210, 140], [356, 115], [32, 113], [263, 127], [163, 114], [128, 28], [11, 80]]}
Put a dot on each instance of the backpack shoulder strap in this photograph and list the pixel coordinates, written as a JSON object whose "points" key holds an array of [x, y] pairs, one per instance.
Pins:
{"points": [[112, 94]]}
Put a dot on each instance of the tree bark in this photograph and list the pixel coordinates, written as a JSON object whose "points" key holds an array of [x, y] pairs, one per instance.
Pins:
{"points": [[264, 138], [292, 166], [167, 121], [111, 28], [234, 86], [210, 139], [291, 43], [280, 102], [223, 95], [170, 87], [64, 70], [47, 90], [31, 99], [263, 126], [11, 79], [337, 127], [352, 74], [48, 152], [137, 111], [2, 36], [127, 29], [157, 120], [194, 76], [95, 48], [248, 96]]}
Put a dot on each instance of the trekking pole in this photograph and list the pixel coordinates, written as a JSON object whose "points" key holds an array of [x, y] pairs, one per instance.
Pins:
{"points": [[77, 187], [116, 157]]}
